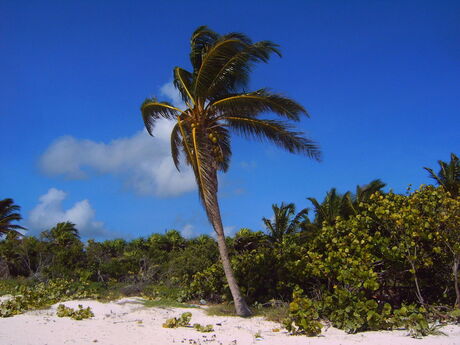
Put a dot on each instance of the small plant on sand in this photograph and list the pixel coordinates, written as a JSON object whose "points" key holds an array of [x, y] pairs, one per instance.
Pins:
{"points": [[204, 329], [182, 321], [80, 314]]}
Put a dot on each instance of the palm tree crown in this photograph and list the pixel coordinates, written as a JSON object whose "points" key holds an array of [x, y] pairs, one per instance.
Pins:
{"points": [[448, 176], [343, 205], [63, 234], [212, 93], [285, 221], [9, 212], [216, 103]]}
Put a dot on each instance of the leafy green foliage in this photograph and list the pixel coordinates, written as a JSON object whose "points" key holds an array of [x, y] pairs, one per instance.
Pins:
{"points": [[455, 315], [414, 319], [353, 312], [208, 284], [181, 321], [448, 176], [203, 329], [383, 266], [44, 295], [79, 314], [303, 316], [9, 213], [184, 321], [285, 221]]}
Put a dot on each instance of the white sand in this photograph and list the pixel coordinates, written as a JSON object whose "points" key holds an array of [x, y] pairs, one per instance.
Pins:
{"points": [[129, 322]]}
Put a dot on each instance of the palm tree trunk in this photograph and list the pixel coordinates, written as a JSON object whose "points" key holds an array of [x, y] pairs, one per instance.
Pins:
{"points": [[241, 307], [455, 273]]}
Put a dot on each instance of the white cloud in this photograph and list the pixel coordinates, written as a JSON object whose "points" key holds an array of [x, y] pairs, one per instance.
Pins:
{"points": [[143, 163], [229, 231], [171, 92], [188, 231], [49, 212]]}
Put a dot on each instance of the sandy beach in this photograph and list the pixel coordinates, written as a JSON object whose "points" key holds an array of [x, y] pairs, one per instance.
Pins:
{"points": [[127, 321]]}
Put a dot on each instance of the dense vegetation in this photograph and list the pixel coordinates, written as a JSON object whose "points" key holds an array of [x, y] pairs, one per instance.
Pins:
{"points": [[368, 260]]}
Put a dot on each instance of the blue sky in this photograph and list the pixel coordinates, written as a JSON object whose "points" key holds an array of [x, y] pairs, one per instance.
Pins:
{"points": [[380, 79]]}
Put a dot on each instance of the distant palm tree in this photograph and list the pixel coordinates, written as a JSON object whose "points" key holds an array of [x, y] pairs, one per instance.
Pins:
{"points": [[9, 213], [448, 176], [217, 102], [343, 205], [63, 234], [363, 194], [333, 206], [285, 221]]}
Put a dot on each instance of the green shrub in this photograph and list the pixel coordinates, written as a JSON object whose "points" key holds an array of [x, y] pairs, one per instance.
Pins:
{"points": [[415, 320], [203, 329], [80, 314], [43, 295], [182, 321], [303, 316], [354, 313], [209, 284]]}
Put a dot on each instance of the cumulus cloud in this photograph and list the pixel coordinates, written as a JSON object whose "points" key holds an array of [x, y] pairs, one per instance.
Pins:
{"points": [[143, 163], [229, 231], [188, 231], [49, 212], [171, 92]]}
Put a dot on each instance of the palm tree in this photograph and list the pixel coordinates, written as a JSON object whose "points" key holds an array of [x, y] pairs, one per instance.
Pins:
{"points": [[217, 102], [285, 221], [333, 206], [63, 234], [343, 205], [9, 212], [448, 176], [363, 194]]}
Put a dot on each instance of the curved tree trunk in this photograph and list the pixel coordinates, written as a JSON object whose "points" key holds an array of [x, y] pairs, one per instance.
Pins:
{"points": [[241, 307], [455, 274]]}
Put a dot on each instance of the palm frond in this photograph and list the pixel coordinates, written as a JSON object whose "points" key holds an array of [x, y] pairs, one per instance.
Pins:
{"points": [[9, 212], [268, 224], [253, 103], [236, 36], [299, 217], [234, 73], [152, 110], [315, 202], [213, 60], [183, 82], [176, 146], [276, 132], [448, 176], [347, 207], [285, 221], [433, 175], [333, 205], [363, 193], [202, 38]]}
